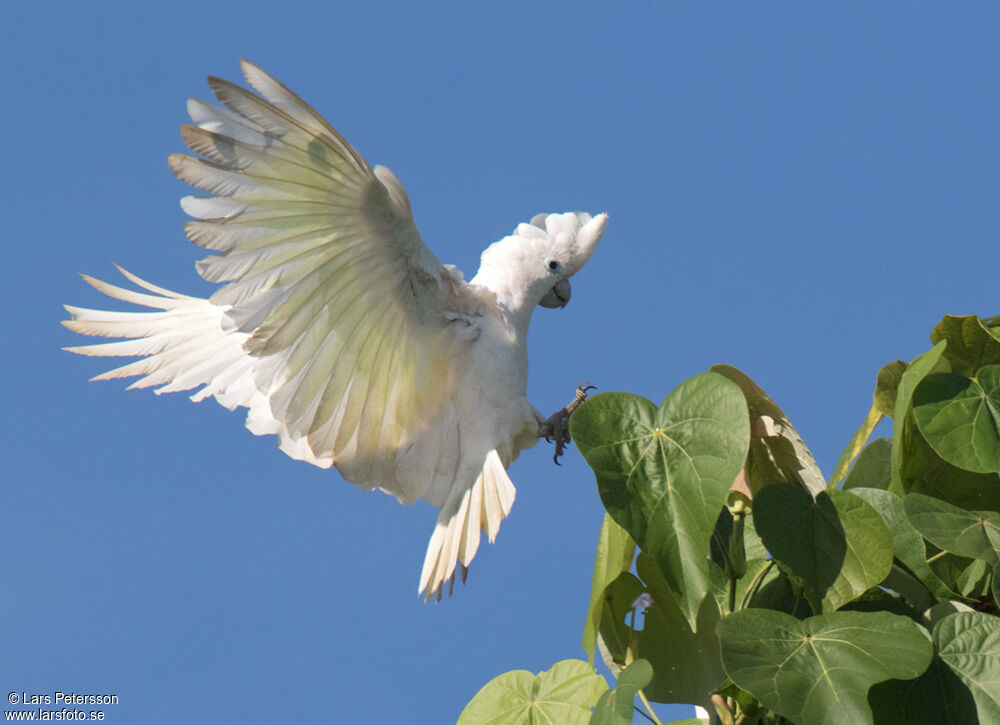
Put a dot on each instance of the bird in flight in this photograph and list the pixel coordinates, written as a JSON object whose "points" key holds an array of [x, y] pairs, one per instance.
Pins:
{"points": [[337, 327]]}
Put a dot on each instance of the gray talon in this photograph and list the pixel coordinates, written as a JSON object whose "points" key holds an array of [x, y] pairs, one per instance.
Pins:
{"points": [[556, 427]]}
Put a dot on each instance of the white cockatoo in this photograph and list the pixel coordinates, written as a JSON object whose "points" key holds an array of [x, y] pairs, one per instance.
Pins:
{"points": [[337, 327]]}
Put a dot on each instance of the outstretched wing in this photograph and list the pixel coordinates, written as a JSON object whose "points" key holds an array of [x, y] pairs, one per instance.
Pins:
{"points": [[349, 326]]}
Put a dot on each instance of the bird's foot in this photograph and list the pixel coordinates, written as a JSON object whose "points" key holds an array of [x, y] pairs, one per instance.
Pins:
{"points": [[556, 427]]}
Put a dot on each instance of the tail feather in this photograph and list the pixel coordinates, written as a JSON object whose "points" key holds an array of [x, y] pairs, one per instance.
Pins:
{"points": [[460, 522]]}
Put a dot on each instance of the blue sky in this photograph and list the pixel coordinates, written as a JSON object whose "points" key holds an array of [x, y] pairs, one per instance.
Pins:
{"points": [[798, 191]]}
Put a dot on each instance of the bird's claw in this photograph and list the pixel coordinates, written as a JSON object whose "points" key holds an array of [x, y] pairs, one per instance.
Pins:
{"points": [[556, 427]]}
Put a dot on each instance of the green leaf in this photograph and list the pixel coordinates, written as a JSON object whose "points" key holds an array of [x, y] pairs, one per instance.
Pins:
{"points": [[563, 694], [686, 663], [960, 418], [777, 452], [836, 546], [615, 550], [819, 670], [907, 543], [971, 344], [969, 643], [937, 697], [615, 706], [975, 534], [665, 473], [872, 469], [930, 362]]}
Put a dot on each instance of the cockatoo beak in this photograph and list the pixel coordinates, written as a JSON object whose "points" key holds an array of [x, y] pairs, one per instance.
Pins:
{"points": [[558, 296], [586, 242]]}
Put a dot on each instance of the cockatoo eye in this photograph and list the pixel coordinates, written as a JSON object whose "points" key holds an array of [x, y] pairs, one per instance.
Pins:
{"points": [[553, 265]]}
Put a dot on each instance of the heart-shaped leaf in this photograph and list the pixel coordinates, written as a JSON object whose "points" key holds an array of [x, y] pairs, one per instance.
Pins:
{"points": [[969, 643], [818, 671], [907, 543], [837, 546], [615, 551], [563, 694], [665, 473], [960, 418], [975, 534], [615, 706]]}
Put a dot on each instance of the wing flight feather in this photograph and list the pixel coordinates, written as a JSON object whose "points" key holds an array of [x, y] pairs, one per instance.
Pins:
{"points": [[331, 315]]}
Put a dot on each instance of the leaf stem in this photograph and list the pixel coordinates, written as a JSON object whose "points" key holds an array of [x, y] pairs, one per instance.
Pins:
{"points": [[936, 556]]}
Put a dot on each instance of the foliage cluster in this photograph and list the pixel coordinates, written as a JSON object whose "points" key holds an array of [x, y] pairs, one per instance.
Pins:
{"points": [[730, 574]]}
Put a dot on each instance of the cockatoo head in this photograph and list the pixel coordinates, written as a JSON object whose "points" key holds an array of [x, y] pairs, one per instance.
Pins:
{"points": [[537, 260]]}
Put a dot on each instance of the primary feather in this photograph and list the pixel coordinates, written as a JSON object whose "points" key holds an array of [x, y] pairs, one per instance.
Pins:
{"points": [[336, 326]]}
